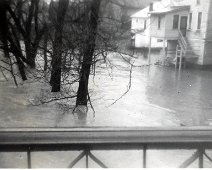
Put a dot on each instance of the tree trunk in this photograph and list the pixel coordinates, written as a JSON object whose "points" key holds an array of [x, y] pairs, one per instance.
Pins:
{"points": [[57, 46], [30, 54], [15, 49], [82, 93], [21, 68], [28, 41], [4, 38], [4, 27], [45, 46]]}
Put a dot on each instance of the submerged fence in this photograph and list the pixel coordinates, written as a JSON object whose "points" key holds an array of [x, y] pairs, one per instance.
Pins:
{"points": [[106, 138]]}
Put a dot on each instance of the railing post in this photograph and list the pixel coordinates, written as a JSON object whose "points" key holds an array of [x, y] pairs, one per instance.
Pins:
{"points": [[86, 157], [29, 165], [144, 156], [176, 57], [181, 57], [201, 154]]}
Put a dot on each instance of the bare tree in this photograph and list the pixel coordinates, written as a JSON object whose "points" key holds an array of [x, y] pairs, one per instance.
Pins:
{"points": [[4, 27], [57, 46], [25, 16], [6, 37], [77, 35], [22, 25], [88, 53]]}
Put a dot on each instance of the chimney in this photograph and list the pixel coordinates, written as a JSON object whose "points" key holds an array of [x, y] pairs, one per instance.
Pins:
{"points": [[151, 6]]}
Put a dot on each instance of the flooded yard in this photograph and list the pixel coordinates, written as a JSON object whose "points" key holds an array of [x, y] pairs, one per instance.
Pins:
{"points": [[132, 111], [188, 93], [159, 96]]}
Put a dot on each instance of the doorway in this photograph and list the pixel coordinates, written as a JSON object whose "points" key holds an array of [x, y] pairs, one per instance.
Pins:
{"points": [[183, 25]]}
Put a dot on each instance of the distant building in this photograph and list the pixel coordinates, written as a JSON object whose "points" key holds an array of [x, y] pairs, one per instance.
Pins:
{"points": [[140, 27], [186, 25]]}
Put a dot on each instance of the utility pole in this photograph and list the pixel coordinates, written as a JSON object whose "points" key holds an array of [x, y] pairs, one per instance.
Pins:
{"points": [[150, 48], [164, 51]]}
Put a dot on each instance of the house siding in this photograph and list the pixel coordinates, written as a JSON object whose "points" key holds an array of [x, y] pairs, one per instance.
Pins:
{"points": [[154, 31], [166, 30], [208, 39], [171, 33], [198, 38], [142, 38], [137, 24]]}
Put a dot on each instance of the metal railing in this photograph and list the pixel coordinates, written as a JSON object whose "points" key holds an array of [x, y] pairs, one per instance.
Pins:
{"points": [[106, 138]]}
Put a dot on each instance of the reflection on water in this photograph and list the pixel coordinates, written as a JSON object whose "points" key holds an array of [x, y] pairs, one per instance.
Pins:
{"points": [[189, 93]]}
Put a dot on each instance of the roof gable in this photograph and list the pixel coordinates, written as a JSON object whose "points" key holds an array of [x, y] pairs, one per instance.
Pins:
{"points": [[144, 13], [170, 9], [162, 7]]}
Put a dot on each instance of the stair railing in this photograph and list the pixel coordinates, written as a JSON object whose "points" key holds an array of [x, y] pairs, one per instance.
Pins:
{"points": [[182, 42], [183, 49]]}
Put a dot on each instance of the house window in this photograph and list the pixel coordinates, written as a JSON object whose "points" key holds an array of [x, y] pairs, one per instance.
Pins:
{"points": [[175, 21], [198, 2], [190, 20], [145, 24], [199, 20], [159, 22], [159, 40]]}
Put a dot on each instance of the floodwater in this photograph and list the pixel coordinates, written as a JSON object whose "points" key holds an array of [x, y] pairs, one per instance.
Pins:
{"points": [[188, 93], [158, 96]]}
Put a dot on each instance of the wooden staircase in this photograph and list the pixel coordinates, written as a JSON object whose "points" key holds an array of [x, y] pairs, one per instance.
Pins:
{"points": [[184, 52], [181, 52], [180, 58]]}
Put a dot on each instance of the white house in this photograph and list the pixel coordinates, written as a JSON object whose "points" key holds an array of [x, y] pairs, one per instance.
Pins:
{"points": [[186, 25], [140, 26]]}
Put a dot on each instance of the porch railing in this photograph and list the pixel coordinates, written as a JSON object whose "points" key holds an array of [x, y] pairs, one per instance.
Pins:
{"points": [[106, 138]]}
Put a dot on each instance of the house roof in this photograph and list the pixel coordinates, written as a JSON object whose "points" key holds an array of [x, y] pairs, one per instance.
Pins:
{"points": [[181, 2], [161, 7], [144, 13], [141, 14], [170, 9]]}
